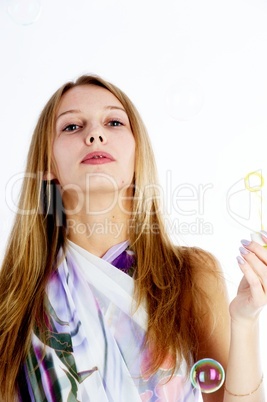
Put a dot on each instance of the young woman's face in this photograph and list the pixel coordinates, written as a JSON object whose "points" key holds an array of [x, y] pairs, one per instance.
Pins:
{"points": [[94, 147]]}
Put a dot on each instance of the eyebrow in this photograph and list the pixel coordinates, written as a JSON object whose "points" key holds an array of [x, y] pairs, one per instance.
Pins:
{"points": [[115, 107], [71, 111], [68, 111]]}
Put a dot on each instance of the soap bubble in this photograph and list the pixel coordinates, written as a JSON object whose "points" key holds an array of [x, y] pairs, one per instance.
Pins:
{"points": [[184, 99], [207, 375], [24, 12]]}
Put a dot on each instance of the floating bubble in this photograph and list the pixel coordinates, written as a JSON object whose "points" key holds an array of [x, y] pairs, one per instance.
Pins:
{"points": [[24, 12], [184, 99], [207, 375]]}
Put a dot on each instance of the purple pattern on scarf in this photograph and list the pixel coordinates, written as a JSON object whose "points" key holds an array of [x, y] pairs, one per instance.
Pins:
{"points": [[120, 256]]}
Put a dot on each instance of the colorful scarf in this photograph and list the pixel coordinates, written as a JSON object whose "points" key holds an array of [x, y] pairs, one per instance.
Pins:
{"points": [[94, 345]]}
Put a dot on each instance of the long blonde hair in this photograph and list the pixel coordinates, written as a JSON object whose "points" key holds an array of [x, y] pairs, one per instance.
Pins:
{"points": [[163, 276]]}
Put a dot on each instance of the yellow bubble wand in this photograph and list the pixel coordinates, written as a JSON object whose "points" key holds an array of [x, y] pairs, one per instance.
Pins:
{"points": [[254, 189]]}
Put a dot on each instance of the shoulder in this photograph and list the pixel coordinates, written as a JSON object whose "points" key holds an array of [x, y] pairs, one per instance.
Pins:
{"points": [[209, 302], [202, 264], [198, 255], [208, 293]]}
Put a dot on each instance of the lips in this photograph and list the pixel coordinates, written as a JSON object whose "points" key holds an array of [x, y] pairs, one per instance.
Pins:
{"points": [[97, 157]]}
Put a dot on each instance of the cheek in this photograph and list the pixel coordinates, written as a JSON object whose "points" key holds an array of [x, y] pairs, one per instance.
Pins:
{"points": [[126, 153], [130, 162], [131, 149], [134, 157], [56, 160], [60, 159]]}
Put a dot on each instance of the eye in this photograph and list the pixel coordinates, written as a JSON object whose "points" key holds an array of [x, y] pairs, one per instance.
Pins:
{"points": [[115, 123], [71, 127]]}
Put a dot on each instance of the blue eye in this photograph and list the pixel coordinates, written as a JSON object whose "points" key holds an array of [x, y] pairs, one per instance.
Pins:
{"points": [[71, 127]]}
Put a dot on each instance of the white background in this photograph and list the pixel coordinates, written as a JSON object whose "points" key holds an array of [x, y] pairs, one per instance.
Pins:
{"points": [[197, 72]]}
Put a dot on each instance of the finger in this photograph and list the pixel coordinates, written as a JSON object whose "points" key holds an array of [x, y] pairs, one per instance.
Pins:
{"points": [[264, 236], [257, 292], [243, 285], [256, 248], [256, 264], [258, 237]]}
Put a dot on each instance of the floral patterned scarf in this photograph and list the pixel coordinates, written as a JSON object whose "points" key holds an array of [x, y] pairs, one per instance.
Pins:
{"points": [[94, 343]]}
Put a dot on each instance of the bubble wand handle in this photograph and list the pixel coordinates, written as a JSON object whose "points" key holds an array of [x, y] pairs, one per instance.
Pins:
{"points": [[256, 236]]}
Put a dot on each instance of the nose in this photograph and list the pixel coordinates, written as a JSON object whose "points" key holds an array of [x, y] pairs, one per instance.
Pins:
{"points": [[95, 138], [91, 139]]}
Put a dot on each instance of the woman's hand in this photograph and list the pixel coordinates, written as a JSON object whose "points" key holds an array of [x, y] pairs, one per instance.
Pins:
{"points": [[252, 291]]}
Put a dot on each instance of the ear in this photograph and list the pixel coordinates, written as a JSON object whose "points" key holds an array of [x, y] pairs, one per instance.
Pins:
{"points": [[49, 176]]}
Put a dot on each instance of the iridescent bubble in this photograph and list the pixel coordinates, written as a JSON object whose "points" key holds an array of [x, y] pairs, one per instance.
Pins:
{"points": [[184, 99], [24, 12], [208, 375]]}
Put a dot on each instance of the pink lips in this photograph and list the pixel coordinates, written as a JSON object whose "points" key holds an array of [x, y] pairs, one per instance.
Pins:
{"points": [[97, 158]]}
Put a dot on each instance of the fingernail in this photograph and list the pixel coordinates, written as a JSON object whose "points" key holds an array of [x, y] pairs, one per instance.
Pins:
{"points": [[243, 250], [240, 260], [263, 233], [245, 242]]}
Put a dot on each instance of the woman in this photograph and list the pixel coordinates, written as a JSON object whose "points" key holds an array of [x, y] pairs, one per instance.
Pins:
{"points": [[96, 303]]}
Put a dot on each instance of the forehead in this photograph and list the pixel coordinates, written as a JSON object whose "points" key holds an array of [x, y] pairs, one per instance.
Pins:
{"points": [[87, 96]]}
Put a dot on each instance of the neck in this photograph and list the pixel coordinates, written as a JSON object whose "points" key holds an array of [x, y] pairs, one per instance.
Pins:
{"points": [[97, 232]]}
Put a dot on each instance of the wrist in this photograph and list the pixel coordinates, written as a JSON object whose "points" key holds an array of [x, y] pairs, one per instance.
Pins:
{"points": [[247, 325], [253, 391]]}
